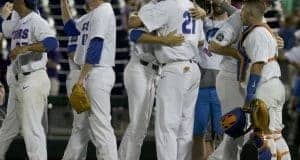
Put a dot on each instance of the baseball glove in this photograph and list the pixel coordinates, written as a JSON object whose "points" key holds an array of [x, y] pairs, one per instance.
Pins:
{"points": [[260, 116], [79, 100]]}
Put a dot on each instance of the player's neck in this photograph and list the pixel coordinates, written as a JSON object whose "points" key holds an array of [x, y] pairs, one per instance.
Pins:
{"points": [[220, 17], [254, 22], [24, 12], [96, 4]]}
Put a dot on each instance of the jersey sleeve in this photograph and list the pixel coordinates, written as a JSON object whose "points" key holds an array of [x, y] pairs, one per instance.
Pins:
{"points": [[153, 15], [255, 45], [229, 32], [42, 30], [98, 23], [8, 27]]}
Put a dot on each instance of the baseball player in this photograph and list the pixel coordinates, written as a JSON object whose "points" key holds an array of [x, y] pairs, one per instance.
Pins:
{"points": [[98, 32], [31, 39], [179, 76], [140, 77], [10, 126], [227, 79], [208, 107], [78, 142], [259, 45]]}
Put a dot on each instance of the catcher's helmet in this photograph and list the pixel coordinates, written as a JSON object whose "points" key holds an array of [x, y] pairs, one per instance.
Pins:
{"points": [[234, 123], [31, 4]]}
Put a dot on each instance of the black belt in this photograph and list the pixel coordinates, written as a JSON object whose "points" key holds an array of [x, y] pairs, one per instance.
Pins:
{"points": [[190, 60], [154, 66], [25, 74]]}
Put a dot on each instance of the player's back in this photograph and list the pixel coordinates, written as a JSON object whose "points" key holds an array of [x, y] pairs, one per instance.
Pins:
{"points": [[173, 15], [260, 45]]}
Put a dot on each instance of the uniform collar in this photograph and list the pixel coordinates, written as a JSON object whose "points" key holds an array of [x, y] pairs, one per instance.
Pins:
{"points": [[28, 17]]}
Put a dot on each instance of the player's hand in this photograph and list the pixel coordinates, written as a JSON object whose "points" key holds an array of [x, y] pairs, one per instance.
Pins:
{"points": [[80, 81], [197, 12], [172, 39], [280, 42], [246, 108], [7, 10], [134, 22], [17, 51]]}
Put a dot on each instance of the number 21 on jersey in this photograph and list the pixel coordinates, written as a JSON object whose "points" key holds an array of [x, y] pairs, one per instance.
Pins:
{"points": [[189, 24]]}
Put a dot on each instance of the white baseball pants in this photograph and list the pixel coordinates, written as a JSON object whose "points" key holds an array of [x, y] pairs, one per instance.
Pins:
{"points": [[10, 126], [139, 81], [99, 84], [80, 136], [31, 100], [231, 95], [272, 93], [175, 102]]}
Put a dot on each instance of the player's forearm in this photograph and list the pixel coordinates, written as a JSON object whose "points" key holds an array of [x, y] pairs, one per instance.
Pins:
{"points": [[84, 71], [225, 51], [65, 11], [48, 44], [36, 47], [151, 39]]}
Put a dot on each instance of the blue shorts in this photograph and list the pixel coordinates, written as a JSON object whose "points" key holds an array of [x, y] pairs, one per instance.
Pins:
{"points": [[208, 108]]}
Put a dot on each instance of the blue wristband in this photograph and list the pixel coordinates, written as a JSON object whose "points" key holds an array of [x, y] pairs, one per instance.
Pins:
{"points": [[135, 35], [251, 87]]}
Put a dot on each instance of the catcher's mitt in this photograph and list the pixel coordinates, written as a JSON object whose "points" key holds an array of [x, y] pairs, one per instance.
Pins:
{"points": [[260, 116], [79, 100]]}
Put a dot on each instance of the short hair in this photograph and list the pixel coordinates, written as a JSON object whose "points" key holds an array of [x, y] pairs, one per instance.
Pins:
{"points": [[255, 8]]}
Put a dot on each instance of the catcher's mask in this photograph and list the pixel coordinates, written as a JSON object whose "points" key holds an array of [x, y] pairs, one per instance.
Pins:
{"points": [[234, 123]]}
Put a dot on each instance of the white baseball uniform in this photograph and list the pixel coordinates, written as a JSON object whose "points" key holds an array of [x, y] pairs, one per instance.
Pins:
{"points": [[139, 79], [33, 85], [10, 126], [80, 136], [100, 23], [261, 46], [227, 82], [179, 77]]}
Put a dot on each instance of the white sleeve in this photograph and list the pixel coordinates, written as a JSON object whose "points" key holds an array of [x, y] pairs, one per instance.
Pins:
{"points": [[293, 55], [153, 16], [8, 27], [42, 30], [99, 23], [229, 32], [255, 46]]}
